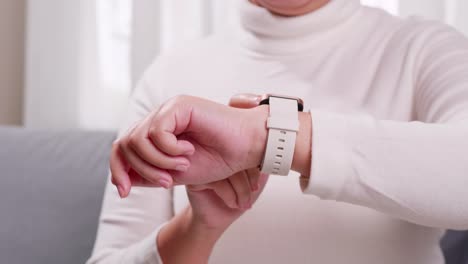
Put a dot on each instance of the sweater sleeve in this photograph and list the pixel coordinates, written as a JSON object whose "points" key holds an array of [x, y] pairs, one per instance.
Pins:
{"points": [[128, 228], [416, 171]]}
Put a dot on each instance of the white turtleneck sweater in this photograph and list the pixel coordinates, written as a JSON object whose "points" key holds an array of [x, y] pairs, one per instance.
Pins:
{"points": [[389, 104]]}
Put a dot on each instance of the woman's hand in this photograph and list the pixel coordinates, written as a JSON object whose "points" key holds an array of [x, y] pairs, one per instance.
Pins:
{"points": [[191, 235], [189, 140], [217, 205]]}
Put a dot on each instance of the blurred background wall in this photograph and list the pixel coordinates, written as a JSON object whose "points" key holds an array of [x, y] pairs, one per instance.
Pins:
{"points": [[12, 26], [71, 64]]}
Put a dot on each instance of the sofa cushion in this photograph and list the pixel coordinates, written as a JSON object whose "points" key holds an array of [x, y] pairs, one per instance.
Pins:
{"points": [[455, 246], [51, 189]]}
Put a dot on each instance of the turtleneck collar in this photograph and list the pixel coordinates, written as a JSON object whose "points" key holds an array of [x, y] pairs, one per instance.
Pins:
{"points": [[265, 32]]}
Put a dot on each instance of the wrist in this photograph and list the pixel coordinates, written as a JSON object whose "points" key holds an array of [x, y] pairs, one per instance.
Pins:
{"points": [[258, 117], [199, 228], [182, 240], [302, 151]]}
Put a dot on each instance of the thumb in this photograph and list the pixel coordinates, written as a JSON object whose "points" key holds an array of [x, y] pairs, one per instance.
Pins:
{"points": [[245, 100]]}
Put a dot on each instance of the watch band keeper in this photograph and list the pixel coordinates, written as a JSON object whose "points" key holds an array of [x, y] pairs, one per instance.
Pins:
{"points": [[282, 123]]}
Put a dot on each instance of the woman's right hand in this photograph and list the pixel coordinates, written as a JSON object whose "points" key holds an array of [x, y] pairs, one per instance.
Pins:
{"points": [[218, 204], [187, 135]]}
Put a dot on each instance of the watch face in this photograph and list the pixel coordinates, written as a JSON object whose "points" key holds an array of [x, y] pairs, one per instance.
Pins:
{"points": [[265, 100]]}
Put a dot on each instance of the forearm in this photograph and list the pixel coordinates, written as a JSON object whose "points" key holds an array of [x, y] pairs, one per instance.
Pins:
{"points": [[183, 240], [411, 170]]}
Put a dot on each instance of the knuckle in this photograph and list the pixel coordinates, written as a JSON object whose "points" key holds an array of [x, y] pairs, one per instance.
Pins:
{"points": [[155, 134], [177, 101], [152, 132], [121, 147], [133, 141], [116, 144], [180, 98]]}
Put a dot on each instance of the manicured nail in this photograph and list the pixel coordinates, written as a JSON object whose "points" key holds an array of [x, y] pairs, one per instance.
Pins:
{"points": [[190, 152], [181, 168], [121, 191], [165, 183]]}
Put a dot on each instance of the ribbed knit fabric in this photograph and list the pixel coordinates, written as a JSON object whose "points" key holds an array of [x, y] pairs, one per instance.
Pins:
{"points": [[389, 104]]}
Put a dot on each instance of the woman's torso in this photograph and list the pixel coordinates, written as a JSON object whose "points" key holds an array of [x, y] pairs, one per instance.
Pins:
{"points": [[355, 71]]}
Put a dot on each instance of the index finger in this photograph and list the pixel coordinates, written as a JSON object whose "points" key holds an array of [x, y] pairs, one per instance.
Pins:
{"points": [[119, 174], [168, 123]]}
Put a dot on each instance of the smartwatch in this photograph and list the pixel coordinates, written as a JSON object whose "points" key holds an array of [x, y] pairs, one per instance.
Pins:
{"points": [[283, 125]]}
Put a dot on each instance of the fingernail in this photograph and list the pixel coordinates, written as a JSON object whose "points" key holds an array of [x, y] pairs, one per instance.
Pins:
{"points": [[190, 152], [121, 191], [165, 183], [181, 168]]}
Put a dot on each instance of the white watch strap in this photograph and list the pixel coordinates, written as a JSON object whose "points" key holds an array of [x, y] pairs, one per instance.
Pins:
{"points": [[283, 125]]}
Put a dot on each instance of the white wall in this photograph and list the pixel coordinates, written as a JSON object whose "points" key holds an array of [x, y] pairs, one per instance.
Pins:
{"points": [[65, 86], [452, 12], [429, 8], [146, 28], [12, 15], [52, 64], [457, 14]]}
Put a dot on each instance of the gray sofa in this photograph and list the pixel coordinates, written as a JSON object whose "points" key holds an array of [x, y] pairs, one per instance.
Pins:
{"points": [[51, 188]]}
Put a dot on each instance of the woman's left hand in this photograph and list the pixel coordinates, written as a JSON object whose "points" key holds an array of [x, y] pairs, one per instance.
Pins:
{"points": [[217, 205], [191, 235]]}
